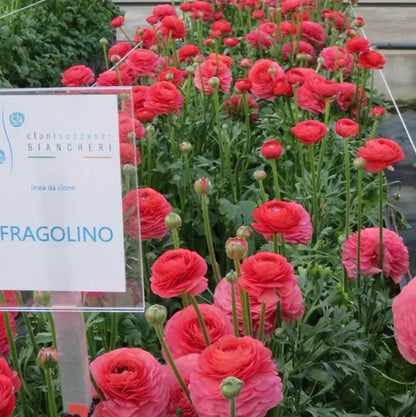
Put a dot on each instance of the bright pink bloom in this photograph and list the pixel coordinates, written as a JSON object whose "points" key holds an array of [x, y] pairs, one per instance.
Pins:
{"points": [[183, 333], [129, 154], [162, 10], [262, 75], [163, 97], [313, 33], [244, 358], [173, 27], [288, 218], [11, 374], [309, 131], [271, 149], [4, 342], [7, 396], [128, 126], [177, 271], [147, 36], [348, 98], [119, 49], [347, 128], [146, 210], [357, 44], [212, 68], [395, 255], [117, 21], [337, 59], [143, 62], [133, 383], [404, 321], [77, 76], [298, 47]]}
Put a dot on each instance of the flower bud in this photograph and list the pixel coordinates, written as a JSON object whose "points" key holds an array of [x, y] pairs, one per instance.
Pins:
{"points": [[47, 358], [259, 175], [271, 149], [173, 220], [231, 277], [115, 58], [103, 42], [185, 147], [359, 163], [246, 63], [131, 137], [378, 112], [190, 70], [42, 298], [156, 314], [214, 82], [203, 186], [231, 387], [245, 232], [150, 129], [236, 248], [129, 169]]}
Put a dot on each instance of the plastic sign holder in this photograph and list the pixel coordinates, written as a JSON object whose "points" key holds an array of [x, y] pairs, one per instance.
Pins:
{"points": [[63, 246]]}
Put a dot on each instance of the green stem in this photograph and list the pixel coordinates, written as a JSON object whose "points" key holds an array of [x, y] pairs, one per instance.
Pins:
{"points": [[26, 320], [53, 331], [373, 130], [234, 310], [175, 237], [185, 302], [275, 179], [113, 335], [215, 268], [380, 218], [262, 191], [359, 225], [260, 331], [275, 243], [126, 35], [169, 358], [51, 393], [314, 194], [233, 411], [347, 189], [200, 319]]}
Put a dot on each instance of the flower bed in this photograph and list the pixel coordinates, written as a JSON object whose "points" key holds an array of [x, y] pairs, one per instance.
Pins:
{"points": [[269, 266]]}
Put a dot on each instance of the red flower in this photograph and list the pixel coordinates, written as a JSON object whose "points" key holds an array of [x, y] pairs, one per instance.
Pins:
{"points": [[340, 21], [230, 41], [129, 154], [147, 36], [298, 47], [7, 398], [347, 128], [133, 383], [265, 276], [378, 112], [309, 131], [227, 60], [173, 75], [288, 218], [77, 76], [281, 87], [173, 27], [183, 332], [6, 371], [177, 271], [244, 358], [321, 87], [395, 255], [143, 62], [117, 21], [146, 210], [349, 97], [336, 59], [272, 149], [187, 53], [234, 106], [380, 153], [119, 49], [222, 26], [212, 68], [128, 126], [313, 33], [357, 44], [110, 78], [163, 97], [162, 10], [298, 75], [404, 321], [262, 75], [4, 342], [371, 60], [243, 84]]}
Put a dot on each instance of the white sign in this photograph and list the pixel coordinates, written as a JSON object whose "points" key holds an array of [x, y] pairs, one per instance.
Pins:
{"points": [[61, 224]]}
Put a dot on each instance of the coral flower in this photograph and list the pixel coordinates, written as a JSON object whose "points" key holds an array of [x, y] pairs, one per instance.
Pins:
{"points": [[380, 153], [288, 218], [212, 68], [404, 321], [262, 75], [271, 149], [395, 254], [183, 332], [309, 131], [162, 97], [347, 128], [266, 275], [244, 358], [143, 62], [77, 76], [177, 271], [133, 382], [371, 60], [146, 210]]}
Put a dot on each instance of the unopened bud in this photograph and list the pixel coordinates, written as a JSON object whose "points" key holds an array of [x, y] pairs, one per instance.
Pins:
{"points": [[359, 163], [236, 248], [245, 232], [173, 220], [103, 42], [259, 175], [185, 147], [47, 358], [203, 186], [129, 169], [150, 129], [231, 277], [190, 70], [214, 82], [156, 314], [231, 387], [115, 58]]}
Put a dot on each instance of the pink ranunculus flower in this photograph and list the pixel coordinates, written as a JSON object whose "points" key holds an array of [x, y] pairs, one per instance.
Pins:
{"points": [[395, 254], [212, 68], [133, 382], [143, 62], [337, 59], [183, 332], [244, 358], [262, 76], [177, 398], [404, 321]]}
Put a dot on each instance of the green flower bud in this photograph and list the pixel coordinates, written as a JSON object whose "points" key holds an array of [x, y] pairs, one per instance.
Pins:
{"points": [[129, 169], [173, 220], [231, 387], [190, 70], [236, 248], [103, 42], [359, 163], [214, 82], [245, 232], [231, 277], [185, 147], [150, 129], [47, 358], [203, 186], [156, 314], [259, 175]]}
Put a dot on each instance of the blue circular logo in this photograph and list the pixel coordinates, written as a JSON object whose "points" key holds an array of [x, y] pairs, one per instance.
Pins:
{"points": [[16, 119], [2, 156]]}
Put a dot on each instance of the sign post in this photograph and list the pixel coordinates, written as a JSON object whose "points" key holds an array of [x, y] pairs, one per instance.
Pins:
{"points": [[61, 221]]}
